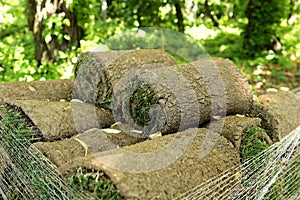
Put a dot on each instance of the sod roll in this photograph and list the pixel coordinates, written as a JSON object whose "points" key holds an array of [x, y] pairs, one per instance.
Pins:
{"points": [[144, 171], [24, 172], [279, 113], [56, 120], [148, 93], [98, 72], [174, 98], [53, 90]]}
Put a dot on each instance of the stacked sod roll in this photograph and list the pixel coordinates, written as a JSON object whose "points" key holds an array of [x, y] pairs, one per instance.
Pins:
{"points": [[148, 93], [146, 170], [136, 94]]}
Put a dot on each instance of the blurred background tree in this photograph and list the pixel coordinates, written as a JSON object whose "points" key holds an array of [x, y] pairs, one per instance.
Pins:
{"points": [[41, 39], [54, 27], [260, 33]]}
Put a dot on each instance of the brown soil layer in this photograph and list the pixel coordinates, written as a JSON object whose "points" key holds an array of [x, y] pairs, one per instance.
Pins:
{"points": [[60, 152], [77, 147], [53, 90]]}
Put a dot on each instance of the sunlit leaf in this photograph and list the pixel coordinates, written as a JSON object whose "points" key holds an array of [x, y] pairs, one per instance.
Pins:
{"points": [[62, 55], [48, 38], [67, 22], [67, 37], [60, 38]]}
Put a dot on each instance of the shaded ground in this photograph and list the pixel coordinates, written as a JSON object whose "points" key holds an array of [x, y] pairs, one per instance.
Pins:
{"points": [[275, 76]]}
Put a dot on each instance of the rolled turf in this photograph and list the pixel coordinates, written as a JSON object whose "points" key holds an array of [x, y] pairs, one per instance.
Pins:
{"points": [[174, 98], [56, 120], [138, 171], [98, 72], [91, 141], [25, 173], [279, 113], [148, 93], [234, 128]]}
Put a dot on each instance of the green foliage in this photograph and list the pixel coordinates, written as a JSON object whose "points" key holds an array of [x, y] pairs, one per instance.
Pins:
{"points": [[245, 32], [54, 27], [253, 143], [87, 11], [17, 62], [159, 38], [16, 43], [226, 45], [94, 183], [263, 19]]}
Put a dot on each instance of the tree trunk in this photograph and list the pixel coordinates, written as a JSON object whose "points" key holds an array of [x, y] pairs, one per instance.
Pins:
{"points": [[263, 19], [104, 10], [208, 14], [249, 28], [41, 10], [292, 16], [179, 16]]}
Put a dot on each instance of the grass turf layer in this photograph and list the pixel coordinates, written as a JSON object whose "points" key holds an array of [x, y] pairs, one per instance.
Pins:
{"points": [[94, 183], [288, 183], [253, 142], [27, 174]]}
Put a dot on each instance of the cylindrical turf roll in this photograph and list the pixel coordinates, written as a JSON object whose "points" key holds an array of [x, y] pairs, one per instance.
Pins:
{"points": [[98, 72], [279, 113], [91, 141], [174, 98], [148, 93]]}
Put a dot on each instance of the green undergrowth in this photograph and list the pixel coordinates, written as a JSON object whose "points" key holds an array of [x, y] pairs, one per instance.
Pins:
{"points": [[94, 183]]}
